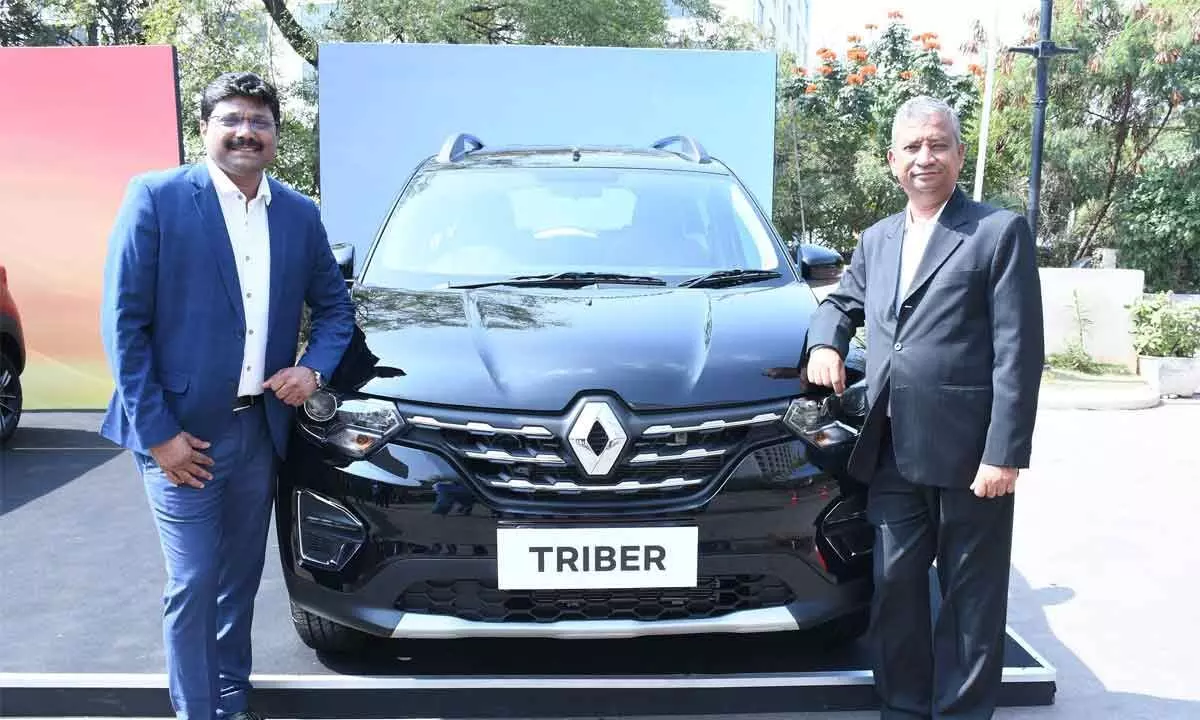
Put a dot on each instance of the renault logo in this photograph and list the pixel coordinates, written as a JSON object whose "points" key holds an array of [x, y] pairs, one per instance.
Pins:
{"points": [[597, 438]]}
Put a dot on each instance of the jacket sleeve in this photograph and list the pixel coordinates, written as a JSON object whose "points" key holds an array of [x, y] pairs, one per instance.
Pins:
{"points": [[841, 312], [130, 286], [1018, 347], [332, 318]]}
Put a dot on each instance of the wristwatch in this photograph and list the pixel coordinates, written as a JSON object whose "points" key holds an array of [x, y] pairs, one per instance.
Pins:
{"points": [[317, 376]]}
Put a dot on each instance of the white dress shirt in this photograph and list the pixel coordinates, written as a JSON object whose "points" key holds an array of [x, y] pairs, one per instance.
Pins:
{"points": [[251, 241], [916, 239]]}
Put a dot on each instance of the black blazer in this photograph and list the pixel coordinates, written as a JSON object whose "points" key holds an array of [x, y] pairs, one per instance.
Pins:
{"points": [[961, 359]]}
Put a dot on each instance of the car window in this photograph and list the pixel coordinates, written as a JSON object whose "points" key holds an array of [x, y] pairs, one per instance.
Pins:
{"points": [[464, 225]]}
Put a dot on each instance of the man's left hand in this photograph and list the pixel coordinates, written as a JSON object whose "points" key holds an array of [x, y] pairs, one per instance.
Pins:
{"points": [[292, 385], [992, 481]]}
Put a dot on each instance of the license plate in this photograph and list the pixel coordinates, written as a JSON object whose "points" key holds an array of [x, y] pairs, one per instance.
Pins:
{"points": [[596, 558]]}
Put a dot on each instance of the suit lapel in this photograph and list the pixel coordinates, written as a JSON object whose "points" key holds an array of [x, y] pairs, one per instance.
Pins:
{"points": [[942, 242], [217, 237], [278, 230], [892, 242]]}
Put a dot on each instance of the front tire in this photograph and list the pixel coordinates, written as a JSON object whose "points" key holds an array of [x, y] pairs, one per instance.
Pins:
{"points": [[10, 399], [327, 636]]}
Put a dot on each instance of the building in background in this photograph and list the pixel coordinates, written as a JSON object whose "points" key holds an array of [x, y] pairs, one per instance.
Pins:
{"points": [[782, 24]]}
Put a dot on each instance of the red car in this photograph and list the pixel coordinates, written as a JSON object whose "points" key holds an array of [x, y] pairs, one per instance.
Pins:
{"points": [[12, 360]]}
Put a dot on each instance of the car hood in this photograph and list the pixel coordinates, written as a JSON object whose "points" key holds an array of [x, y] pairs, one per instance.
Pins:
{"points": [[536, 349]]}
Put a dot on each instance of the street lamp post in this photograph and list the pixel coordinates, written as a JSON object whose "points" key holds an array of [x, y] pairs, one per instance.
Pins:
{"points": [[1043, 50]]}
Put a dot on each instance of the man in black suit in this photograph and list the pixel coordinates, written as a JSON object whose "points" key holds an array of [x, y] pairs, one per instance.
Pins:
{"points": [[949, 292]]}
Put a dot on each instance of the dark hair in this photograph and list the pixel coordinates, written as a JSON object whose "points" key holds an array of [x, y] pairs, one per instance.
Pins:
{"points": [[238, 84]]}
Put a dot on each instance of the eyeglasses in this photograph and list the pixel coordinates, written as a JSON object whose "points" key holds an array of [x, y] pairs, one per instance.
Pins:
{"points": [[257, 123]]}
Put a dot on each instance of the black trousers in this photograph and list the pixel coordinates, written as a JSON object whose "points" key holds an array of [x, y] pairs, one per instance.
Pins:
{"points": [[948, 666]]}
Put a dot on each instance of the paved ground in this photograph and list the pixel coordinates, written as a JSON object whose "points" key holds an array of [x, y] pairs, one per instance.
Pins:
{"points": [[1104, 577]]}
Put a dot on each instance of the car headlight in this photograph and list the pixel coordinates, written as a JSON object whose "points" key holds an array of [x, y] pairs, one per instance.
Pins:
{"points": [[823, 421], [355, 426]]}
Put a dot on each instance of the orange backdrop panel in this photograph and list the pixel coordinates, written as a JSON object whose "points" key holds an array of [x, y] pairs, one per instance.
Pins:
{"points": [[75, 125]]}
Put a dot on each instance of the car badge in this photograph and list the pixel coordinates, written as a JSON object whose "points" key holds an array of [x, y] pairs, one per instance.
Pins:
{"points": [[597, 459]]}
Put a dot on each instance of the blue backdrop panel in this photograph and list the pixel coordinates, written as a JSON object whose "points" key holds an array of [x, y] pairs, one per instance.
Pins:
{"points": [[384, 108]]}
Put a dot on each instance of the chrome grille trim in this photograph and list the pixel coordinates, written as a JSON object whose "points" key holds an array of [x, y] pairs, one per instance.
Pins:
{"points": [[536, 431], [507, 457], [692, 454], [562, 486], [759, 419]]}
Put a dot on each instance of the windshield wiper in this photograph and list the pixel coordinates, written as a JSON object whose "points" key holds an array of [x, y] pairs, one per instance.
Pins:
{"points": [[736, 276], [566, 279]]}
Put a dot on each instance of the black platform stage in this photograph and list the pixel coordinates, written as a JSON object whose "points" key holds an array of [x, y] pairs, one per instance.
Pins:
{"points": [[80, 634]]}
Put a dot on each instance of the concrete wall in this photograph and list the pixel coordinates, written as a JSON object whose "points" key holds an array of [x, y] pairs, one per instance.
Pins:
{"points": [[1103, 296]]}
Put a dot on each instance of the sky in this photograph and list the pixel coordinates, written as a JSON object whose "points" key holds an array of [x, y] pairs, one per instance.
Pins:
{"points": [[833, 20]]}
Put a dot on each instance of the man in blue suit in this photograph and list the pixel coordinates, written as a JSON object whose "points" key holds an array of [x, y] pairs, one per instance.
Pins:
{"points": [[208, 269]]}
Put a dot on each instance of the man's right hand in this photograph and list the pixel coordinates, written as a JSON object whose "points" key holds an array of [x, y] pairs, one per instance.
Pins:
{"points": [[181, 460], [825, 368]]}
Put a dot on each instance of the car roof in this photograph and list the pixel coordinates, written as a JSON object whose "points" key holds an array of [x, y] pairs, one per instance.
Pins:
{"points": [[465, 151]]}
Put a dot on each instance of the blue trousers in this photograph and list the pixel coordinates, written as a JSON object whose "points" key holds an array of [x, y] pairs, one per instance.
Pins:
{"points": [[214, 542]]}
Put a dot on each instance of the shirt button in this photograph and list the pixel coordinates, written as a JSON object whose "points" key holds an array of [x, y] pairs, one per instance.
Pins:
{"points": [[897, 346], [249, 294], [252, 332]]}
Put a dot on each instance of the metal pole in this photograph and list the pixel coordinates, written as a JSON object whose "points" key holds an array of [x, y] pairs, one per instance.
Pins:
{"points": [[988, 88], [1043, 51]]}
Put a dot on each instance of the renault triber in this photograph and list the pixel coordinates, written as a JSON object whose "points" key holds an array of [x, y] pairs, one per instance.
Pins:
{"points": [[573, 409]]}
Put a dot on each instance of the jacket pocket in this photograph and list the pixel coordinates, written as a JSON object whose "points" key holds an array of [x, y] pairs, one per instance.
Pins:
{"points": [[175, 382]]}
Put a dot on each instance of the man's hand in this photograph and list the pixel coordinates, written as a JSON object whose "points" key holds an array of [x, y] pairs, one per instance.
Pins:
{"points": [[825, 367], [181, 460], [992, 481], [292, 385]]}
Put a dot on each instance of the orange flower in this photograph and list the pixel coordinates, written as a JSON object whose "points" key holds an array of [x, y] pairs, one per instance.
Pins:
{"points": [[826, 70], [932, 45], [810, 89], [906, 75], [868, 70], [947, 61], [871, 26], [854, 80], [854, 38], [917, 37], [822, 52], [895, 15]]}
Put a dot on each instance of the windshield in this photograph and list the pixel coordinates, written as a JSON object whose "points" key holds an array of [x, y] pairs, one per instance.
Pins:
{"points": [[479, 224]]}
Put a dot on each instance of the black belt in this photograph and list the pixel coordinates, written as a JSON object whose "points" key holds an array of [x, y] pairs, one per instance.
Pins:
{"points": [[244, 402]]}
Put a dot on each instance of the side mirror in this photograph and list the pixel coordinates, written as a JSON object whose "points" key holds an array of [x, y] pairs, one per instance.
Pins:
{"points": [[343, 253], [818, 264]]}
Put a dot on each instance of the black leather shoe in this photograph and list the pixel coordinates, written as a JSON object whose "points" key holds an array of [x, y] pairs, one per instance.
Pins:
{"points": [[244, 715]]}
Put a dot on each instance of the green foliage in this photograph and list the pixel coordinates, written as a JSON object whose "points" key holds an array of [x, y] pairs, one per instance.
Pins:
{"points": [[834, 129], [628, 23], [1126, 99], [1159, 227], [1076, 357], [1164, 328]]}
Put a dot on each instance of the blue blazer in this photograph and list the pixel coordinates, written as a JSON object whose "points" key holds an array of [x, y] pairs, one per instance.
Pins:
{"points": [[172, 319]]}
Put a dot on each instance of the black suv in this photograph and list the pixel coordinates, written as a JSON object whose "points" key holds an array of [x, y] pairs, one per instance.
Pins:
{"points": [[12, 360], [573, 409]]}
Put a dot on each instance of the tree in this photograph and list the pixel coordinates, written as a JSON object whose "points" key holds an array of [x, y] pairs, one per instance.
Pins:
{"points": [[1114, 106], [20, 24], [834, 129], [1159, 226]]}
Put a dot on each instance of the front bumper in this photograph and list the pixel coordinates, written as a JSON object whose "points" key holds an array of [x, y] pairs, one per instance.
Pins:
{"points": [[780, 546]]}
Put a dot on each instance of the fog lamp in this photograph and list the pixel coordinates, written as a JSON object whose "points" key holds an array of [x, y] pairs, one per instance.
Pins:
{"points": [[328, 533]]}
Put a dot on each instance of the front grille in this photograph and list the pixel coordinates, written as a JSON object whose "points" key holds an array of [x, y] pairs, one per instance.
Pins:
{"points": [[482, 602], [664, 455]]}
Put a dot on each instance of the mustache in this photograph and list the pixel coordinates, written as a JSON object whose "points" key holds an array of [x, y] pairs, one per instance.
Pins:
{"points": [[243, 143]]}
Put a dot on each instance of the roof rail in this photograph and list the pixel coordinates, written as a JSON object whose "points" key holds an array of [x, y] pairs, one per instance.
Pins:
{"points": [[692, 150], [455, 147]]}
